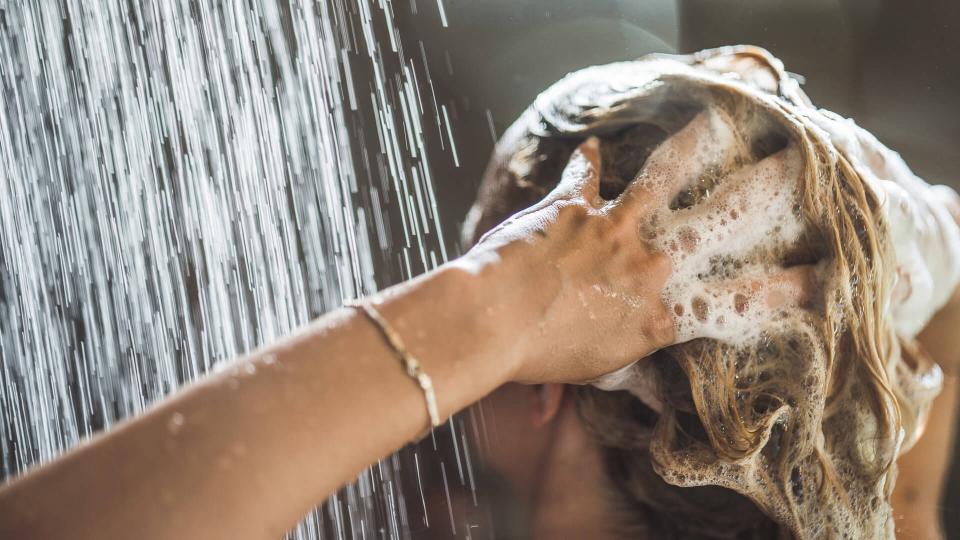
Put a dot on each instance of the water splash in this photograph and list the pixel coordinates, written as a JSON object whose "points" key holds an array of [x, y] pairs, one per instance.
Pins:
{"points": [[185, 180]]}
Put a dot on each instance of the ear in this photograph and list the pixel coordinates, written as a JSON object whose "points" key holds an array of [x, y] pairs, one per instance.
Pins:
{"points": [[546, 401]]}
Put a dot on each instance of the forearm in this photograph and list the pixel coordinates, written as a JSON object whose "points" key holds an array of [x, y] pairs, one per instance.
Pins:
{"points": [[917, 499], [923, 469], [245, 452]]}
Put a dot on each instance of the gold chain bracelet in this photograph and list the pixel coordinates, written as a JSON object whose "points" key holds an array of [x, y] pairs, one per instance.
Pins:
{"points": [[410, 364]]}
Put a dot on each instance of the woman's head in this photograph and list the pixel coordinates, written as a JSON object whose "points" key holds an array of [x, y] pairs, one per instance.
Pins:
{"points": [[803, 418]]}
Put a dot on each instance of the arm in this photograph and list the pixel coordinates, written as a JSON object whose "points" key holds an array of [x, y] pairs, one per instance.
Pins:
{"points": [[917, 498], [918, 495], [246, 452]]}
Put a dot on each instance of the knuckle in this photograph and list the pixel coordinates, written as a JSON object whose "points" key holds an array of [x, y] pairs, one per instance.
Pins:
{"points": [[573, 212], [641, 193]]}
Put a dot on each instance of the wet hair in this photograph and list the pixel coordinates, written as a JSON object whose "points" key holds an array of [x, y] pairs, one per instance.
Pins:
{"points": [[797, 433]]}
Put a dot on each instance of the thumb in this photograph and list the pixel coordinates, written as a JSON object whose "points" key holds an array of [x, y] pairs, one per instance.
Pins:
{"points": [[581, 177]]}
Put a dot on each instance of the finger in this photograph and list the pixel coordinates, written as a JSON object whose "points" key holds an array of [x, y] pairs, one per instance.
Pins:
{"points": [[581, 176], [759, 205], [580, 180], [776, 174], [754, 208], [791, 287], [737, 308], [705, 143]]}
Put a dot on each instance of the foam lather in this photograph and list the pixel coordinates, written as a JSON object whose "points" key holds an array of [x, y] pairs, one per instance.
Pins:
{"points": [[801, 410]]}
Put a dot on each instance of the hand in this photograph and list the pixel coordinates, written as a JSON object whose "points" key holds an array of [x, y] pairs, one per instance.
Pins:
{"points": [[593, 287]]}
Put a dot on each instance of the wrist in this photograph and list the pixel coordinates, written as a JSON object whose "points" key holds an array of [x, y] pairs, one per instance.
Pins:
{"points": [[511, 294], [463, 324]]}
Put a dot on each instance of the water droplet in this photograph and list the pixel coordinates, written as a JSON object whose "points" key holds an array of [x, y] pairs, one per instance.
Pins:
{"points": [[175, 423]]}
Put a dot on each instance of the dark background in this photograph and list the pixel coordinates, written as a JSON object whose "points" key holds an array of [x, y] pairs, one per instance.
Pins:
{"points": [[890, 64]]}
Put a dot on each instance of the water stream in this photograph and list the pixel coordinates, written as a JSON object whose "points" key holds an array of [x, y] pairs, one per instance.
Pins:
{"points": [[184, 180]]}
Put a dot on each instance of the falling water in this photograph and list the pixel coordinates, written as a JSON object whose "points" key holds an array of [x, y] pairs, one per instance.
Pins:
{"points": [[185, 180]]}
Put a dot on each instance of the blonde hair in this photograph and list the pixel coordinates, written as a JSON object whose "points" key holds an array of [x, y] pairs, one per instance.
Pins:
{"points": [[806, 424]]}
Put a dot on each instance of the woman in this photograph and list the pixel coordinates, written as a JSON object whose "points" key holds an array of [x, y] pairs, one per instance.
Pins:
{"points": [[535, 301], [719, 391]]}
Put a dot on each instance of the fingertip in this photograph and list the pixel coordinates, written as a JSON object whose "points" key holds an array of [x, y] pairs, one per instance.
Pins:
{"points": [[590, 149], [581, 175], [795, 286]]}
